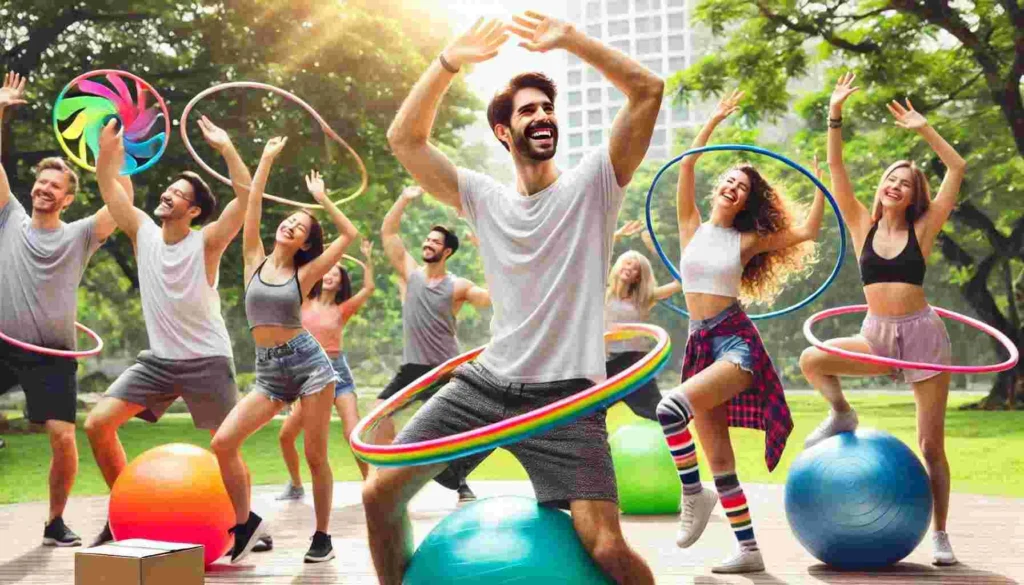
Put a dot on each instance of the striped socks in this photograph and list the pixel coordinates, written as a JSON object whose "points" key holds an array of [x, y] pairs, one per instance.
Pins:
{"points": [[734, 502], [675, 413]]}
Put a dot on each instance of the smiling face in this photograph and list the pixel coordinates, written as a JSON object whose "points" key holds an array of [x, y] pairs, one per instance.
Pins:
{"points": [[896, 191], [50, 192], [732, 191], [534, 127], [629, 272], [177, 201], [293, 232], [332, 280], [433, 247]]}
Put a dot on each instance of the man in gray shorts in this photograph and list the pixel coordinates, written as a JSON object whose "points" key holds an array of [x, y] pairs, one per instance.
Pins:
{"points": [[431, 298], [189, 353], [546, 244]]}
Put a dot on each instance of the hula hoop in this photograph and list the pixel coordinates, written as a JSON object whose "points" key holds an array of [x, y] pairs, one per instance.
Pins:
{"points": [[92, 111], [59, 352], [886, 361], [295, 99], [758, 150], [513, 429]]}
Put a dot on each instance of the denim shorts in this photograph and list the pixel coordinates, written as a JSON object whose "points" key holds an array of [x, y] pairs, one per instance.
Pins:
{"points": [[730, 348], [343, 380], [294, 369]]}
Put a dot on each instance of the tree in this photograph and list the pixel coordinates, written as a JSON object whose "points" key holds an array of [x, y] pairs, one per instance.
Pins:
{"points": [[960, 64]]}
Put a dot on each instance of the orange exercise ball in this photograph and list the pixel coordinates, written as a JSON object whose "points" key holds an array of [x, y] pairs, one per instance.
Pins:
{"points": [[173, 493]]}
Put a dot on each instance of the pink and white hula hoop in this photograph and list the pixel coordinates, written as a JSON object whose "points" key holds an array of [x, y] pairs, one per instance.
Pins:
{"points": [[59, 352], [886, 361]]}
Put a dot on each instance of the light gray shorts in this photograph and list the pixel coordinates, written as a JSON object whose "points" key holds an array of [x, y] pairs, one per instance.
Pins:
{"points": [[206, 384], [917, 337]]}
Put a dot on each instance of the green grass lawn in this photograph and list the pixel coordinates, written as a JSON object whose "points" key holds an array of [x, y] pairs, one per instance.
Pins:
{"points": [[986, 449]]}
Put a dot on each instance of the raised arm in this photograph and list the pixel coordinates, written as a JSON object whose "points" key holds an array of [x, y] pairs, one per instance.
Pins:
{"points": [[631, 131], [11, 94], [409, 134], [356, 302], [252, 245], [628, 229], [398, 256], [794, 235], [312, 272], [218, 234], [666, 290], [943, 203], [466, 290], [117, 191], [854, 213]]}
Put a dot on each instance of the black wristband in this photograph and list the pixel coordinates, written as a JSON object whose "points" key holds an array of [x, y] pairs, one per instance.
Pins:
{"points": [[835, 122], [447, 66]]}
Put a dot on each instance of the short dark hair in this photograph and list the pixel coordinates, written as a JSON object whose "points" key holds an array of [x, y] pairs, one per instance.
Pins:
{"points": [[499, 111], [203, 195], [451, 241]]}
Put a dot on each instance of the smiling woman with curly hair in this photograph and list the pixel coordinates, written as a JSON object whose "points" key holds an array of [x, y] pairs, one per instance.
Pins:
{"points": [[746, 251]]}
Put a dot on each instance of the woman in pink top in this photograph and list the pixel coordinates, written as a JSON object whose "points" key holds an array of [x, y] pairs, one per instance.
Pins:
{"points": [[324, 314]]}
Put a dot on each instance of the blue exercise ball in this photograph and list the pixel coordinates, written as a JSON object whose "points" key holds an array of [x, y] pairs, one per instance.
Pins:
{"points": [[859, 500], [503, 540]]}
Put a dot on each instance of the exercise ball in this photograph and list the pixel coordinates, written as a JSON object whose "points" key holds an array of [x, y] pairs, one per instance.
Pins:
{"points": [[644, 471], [858, 500], [503, 540], [173, 493]]}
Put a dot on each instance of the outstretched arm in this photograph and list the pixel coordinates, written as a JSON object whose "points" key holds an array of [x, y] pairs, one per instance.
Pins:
{"points": [[631, 131], [790, 237], [666, 290], [400, 259], [854, 213], [218, 234], [11, 94], [116, 190], [252, 245], [352, 305], [409, 134], [478, 296], [312, 272], [630, 228]]}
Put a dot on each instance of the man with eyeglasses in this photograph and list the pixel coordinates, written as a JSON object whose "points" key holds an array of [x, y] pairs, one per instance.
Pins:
{"points": [[189, 353]]}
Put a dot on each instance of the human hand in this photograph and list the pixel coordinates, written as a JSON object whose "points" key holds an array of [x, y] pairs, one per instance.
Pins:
{"points": [[13, 90], [274, 147], [215, 136], [412, 192], [315, 184], [542, 33], [629, 228], [907, 117], [728, 105], [844, 89], [480, 43]]}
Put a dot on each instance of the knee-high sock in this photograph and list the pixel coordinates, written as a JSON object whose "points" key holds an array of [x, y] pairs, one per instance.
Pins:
{"points": [[675, 413], [734, 502]]}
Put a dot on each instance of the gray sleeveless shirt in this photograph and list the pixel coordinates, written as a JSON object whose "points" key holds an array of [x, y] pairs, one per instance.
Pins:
{"points": [[428, 323], [273, 304]]}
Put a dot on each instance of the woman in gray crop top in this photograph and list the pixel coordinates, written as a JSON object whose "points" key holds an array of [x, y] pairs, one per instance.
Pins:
{"points": [[290, 364]]}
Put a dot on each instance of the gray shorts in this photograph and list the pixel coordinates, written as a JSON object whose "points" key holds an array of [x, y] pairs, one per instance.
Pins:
{"points": [[294, 369], [206, 384], [568, 462], [917, 337]]}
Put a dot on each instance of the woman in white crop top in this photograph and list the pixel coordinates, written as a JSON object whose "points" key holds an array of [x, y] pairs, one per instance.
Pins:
{"points": [[746, 251]]}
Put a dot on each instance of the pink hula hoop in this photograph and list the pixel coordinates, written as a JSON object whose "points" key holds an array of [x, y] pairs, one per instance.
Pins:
{"points": [[59, 352], [886, 361], [293, 98]]}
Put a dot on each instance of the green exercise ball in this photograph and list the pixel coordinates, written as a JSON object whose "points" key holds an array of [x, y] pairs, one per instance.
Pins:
{"points": [[506, 540], [644, 471]]}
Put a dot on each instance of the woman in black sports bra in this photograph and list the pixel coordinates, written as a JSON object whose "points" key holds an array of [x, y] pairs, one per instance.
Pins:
{"points": [[892, 241]]}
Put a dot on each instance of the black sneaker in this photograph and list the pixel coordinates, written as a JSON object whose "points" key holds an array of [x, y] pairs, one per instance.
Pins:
{"points": [[247, 536], [466, 495], [264, 544], [56, 533], [104, 537], [320, 549]]}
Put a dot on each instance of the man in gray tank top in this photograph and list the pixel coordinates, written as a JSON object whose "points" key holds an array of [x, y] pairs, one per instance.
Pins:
{"points": [[42, 260], [431, 298], [189, 353]]}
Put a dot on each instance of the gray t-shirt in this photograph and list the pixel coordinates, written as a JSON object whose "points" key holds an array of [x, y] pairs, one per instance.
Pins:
{"points": [[40, 271], [546, 258], [428, 324]]}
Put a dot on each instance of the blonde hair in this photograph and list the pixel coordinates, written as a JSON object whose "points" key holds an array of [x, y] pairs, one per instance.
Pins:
{"points": [[641, 292], [55, 163], [922, 192]]}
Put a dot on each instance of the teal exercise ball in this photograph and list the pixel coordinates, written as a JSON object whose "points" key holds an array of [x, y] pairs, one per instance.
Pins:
{"points": [[503, 540], [644, 471]]}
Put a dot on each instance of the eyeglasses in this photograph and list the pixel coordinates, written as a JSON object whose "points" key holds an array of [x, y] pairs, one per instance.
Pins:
{"points": [[177, 193]]}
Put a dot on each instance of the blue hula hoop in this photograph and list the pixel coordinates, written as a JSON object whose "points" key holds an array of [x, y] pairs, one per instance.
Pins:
{"points": [[758, 150]]}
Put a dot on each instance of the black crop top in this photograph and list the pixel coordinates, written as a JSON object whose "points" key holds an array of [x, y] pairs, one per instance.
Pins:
{"points": [[908, 266]]}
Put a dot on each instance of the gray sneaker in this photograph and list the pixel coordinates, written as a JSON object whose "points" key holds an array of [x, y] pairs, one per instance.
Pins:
{"points": [[943, 551], [694, 518], [292, 492], [745, 561], [834, 423]]}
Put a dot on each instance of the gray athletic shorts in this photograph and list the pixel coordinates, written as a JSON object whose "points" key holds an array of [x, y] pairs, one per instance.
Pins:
{"points": [[569, 462], [206, 384]]}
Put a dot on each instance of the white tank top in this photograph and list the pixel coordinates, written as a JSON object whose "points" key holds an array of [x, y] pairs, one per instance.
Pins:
{"points": [[710, 263]]}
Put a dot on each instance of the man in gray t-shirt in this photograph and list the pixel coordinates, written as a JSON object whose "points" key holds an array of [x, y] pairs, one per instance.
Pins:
{"points": [[546, 243], [42, 260]]}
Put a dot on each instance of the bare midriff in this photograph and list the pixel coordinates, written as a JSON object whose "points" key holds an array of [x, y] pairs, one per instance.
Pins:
{"points": [[894, 299], [705, 306], [273, 336]]}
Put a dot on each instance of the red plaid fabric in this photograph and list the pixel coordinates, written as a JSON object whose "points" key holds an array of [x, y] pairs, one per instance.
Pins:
{"points": [[762, 406]]}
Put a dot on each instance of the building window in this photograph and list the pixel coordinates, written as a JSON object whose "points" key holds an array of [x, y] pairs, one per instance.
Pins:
{"points": [[594, 9], [613, 111], [575, 98], [617, 28], [617, 7], [595, 136], [656, 154], [676, 64], [593, 75], [575, 140], [594, 95], [593, 117], [615, 96], [648, 24], [621, 45], [661, 118], [645, 5], [575, 77], [594, 30], [575, 119], [575, 158], [676, 21], [659, 138], [680, 113], [677, 43], [653, 64], [676, 3], [648, 46]]}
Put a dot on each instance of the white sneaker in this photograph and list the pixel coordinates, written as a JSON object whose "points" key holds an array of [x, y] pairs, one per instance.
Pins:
{"points": [[694, 518], [745, 561], [943, 555], [834, 423]]}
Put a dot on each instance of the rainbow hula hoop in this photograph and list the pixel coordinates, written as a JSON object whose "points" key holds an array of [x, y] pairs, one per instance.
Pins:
{"points": [[758, 150], [295, 99], [59, 352], [886, 361], [98, 103], [513, 429]]}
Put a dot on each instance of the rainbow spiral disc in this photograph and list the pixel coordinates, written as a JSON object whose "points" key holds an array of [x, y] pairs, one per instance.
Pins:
{"points": [[86, 104]]}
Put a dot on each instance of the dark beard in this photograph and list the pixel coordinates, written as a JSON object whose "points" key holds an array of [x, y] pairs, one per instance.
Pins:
{"points": [[525, 147], [431, 259]]}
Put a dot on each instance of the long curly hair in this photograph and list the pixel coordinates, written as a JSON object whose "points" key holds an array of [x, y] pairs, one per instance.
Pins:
{"points": [[767, 212]]}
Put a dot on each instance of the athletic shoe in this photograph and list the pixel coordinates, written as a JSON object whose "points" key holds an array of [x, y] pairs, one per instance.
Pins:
{"points": [[103, 537], [466, 496], [320, 549], [694, 518], [247, 536], [943, 551], [292, 492], [56, 533], [264, 544], [834, 423], [745, 561]]}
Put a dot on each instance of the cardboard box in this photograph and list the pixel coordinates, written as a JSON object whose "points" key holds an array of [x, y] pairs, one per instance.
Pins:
{"points": [[140, 562]]}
